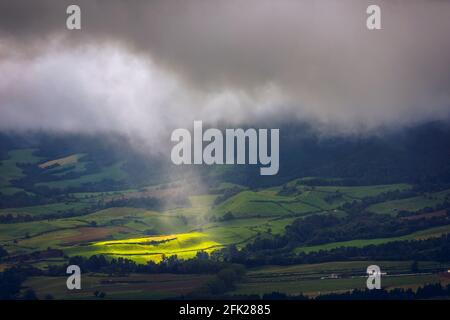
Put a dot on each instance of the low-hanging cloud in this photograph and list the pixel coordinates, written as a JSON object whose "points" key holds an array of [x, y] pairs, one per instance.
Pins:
{"points": [[141, 67]]}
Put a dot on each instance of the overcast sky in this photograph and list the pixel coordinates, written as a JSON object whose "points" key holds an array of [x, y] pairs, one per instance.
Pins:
{"points": [[142, 67]]}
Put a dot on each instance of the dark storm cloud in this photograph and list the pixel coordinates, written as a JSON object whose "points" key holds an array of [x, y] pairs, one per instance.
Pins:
{"points": [[225, 61]]}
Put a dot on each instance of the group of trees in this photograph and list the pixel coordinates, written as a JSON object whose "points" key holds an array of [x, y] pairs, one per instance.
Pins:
{"points": [[224, 275], [228, 193], [10, 284], [223, 281], [445, 206], [3, 253], [150, 203], [428, 291], [227, 266], [24, 199], [137, 202], [288, 190], [11, 281], [433, 249], [360, 205], [320, 229], [202, 263]]}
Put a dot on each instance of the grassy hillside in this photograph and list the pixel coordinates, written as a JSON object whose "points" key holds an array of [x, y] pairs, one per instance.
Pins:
{"points": [[135, 286], [299, 200], [9, 169], [314, 287], [189, 219], [411, 204], [419, 235], [112, 172], [201, 224]]}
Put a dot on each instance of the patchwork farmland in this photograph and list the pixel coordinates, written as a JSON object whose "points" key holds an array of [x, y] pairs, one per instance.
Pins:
{"points": [[110, 224]]}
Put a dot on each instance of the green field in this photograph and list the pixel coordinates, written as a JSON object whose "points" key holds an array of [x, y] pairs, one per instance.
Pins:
{"points": [[198, 224], [113, 172], [250, 203], [314, 287], [209, 237], [10, 171], [341, 268], [315, 279], [423, 234], [135, 286], [304, 200], [151, 248], [411, 204], [46, 209], [364, 191]]}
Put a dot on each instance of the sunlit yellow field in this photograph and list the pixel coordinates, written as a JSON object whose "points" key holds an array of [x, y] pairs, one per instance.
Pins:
{"points": [[184, 245]]}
